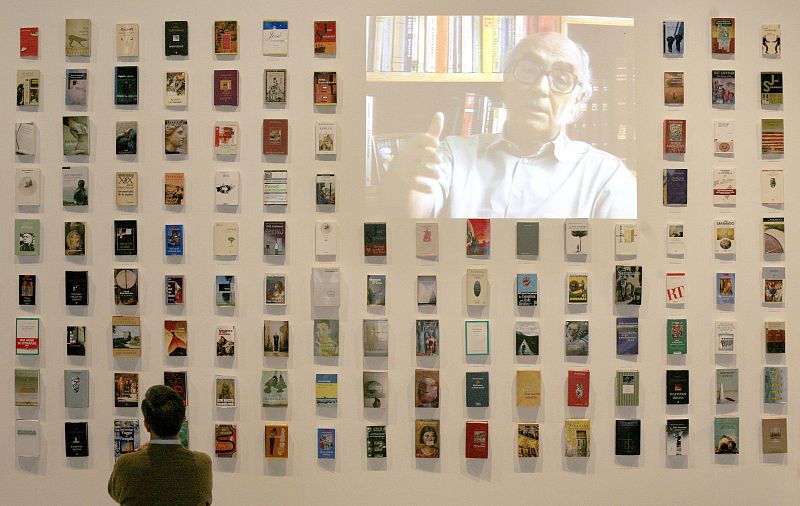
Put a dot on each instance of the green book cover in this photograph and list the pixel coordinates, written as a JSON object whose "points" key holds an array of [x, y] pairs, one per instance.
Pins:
{"points": [[677, 337], [627, 390]]}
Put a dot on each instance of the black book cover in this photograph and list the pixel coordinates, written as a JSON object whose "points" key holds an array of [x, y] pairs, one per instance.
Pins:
{"points": [[76, 439], [628, 437], [376, 441], [176, 38], [126, 85], [27, 290], [76, 284], [375, 239], [478, 389], [125, 237], [76, 341], [678, 386]]}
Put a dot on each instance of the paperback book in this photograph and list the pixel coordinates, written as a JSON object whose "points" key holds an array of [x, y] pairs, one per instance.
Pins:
{"points": [[477, 443], [478, 237], [28, 87], [276, 441], [126, 437], [226, 238], [526, 338], [727, 389], [477, 388], [326, 443], [77, 87], [477, 287], [673, 88], [772, 187], [627, 336], [726, 287], [25, 142], [173, 240], [771, 88], [226, 340], [325, 89], [627, 388], [173, 289], [376, 441], [375, 334], [276, 338], [628, 435], [78, 41], [724, 337], [723, 36], [426, 290], [427, 337], [326, 390], [772, 136], [628, 285], [677, 336], [75, 238], [225, 440], [126, 389], [527, 238], [726, 435], [126, 141], [326, 338], [127, 40], [75, 135], [76, 288], [326, 189], [126, 287], [576, 236], [527, 290], [578, 388], [724, 134], [324, 38], [775, 385], [677, 386], [226, 37], [126, 85], [176, 338], [577, 433], [275, 238], [275, 37], [274, 388], [677, 437], [176, 89], [774, 237], [674, 136], [126, 338], [276, 188], [675, 183], [26, 387], [723, 87], [724, 186], [375, 388], [28, 187], [275, 289], [673, 32], [527, 440], [226, 188], [775, 336], [774, 435], [576, 338], [226, 138], [225, 291]]}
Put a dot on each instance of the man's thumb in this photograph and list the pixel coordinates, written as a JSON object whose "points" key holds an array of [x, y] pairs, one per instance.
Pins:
{"points": [[437, 125]]}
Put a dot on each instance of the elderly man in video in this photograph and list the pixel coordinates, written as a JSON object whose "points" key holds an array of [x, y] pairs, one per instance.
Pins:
{"points": [[531, 169]]}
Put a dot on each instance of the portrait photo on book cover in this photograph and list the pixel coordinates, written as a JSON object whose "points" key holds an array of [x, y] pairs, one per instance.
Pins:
{"points": [[519, 117]]}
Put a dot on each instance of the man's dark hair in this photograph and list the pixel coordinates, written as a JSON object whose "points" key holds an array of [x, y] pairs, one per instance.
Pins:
{"points": [[163, 410]]}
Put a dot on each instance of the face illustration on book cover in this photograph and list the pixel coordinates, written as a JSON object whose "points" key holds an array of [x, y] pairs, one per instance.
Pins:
{"points": [[427, 439], [176, 134]]}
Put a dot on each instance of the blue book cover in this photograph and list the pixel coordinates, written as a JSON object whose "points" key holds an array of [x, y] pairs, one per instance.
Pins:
{"points": [[326, 447], [527, 290], [478, 389], [627, 336], [173, 236], [675, 187], [726, 288]]}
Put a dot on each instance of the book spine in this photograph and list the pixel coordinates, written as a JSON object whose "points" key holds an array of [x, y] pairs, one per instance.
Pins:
{"points": [[442, 43], [399, 44], [431, 36]]}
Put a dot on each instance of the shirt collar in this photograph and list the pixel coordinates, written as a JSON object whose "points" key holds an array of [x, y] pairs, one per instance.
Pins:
{"points": [[561, 148], [165, 441]]}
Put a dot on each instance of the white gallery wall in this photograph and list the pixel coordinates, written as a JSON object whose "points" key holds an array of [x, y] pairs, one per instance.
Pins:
{"points": [[701, 477]]}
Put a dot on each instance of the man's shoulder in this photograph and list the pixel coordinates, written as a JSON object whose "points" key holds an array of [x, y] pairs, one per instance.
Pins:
{"points": [[468, 142], [590, 153]]}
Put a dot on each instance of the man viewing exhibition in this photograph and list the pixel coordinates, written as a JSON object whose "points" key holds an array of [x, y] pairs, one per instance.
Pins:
{"points": [[162, 471], [531, 169]]}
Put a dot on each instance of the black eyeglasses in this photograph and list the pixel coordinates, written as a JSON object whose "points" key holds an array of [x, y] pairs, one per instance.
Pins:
{"points": [[560, 80]]}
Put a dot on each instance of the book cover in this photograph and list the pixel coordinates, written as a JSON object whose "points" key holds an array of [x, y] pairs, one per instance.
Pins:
{"points": [[74, 186], [673, 88], [325, 88], [577, 433], [724, 134], [577, 288], [174, 188], [226, 37], [529, 388], [376, 289], [675, 187], [578, 388], [673, 32], [76, 341], [126, 140], [527, 440], [772, 136], [226, 138], [772, 185], [627, 438], [325, 286], [126, 336], [275, 137], [27, 438], [426, 439], [274, 237], [526, 338], [771, 88], [28, 187], [176, 338], [29, 42], [626, 239], [775, 385], [173, 289], [675, 242], [126, 85], [177, 380], [724, 337], [26, 387], [326, 443], [427, 386], [275, 188], [226, 87], [375, 240], [176, 38], [27, 336], [628, 285], [527, 238], [775, 336], [26, 285], [275, 37], [477, 287], [375, 334], [75, 238], [677, 386], [126, 287], [427, 337], [674, 136], [326, 389], [774, 237], [627, 388], [226, 238], [225, 440], [477, 443], [127, 39], [426, 290], [173, 240], [726, 287], [226, 340], [476, 337], [75, 135], [274, 388], [576, 338], [25, 144], [576, 236], [176, 137], [324, 38], [727, 386], [677, 437], [723, 87], [774, 435], [376, 441], [326, 338], [326, 138], [774, 280], [726, 435], [677, 336], [76, 288], [76, 389], [176, 89], [276, 441], [78, 41], [76, 86], [126, 389], [427, 239], [479, 234], [276, 338], [375, 388], [723, 36], [724, 186], [28, 82], [325, 186], [76, 439], [771, 41], [275, 289], [225, 391], [477, 385], [326, 238], [675, 288], [275, 86], [126, 437], [226, 188]]}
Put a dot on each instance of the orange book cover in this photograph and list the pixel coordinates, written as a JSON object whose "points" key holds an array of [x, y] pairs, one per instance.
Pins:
{"points": [[442, 41]]}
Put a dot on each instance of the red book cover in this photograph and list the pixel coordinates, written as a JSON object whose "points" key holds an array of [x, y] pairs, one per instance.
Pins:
{"points": [[477, 446], [226, 87], [29, 41], [578, 389], [276, 137], [723, 36], [324, 88], [674, 136], [325, 38]]}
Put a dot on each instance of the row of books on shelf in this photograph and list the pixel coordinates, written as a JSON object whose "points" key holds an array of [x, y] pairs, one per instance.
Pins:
{"points": [[723, 38], [225, 87], [724, 188], [226, 38], [723, 88], [772, 137]]}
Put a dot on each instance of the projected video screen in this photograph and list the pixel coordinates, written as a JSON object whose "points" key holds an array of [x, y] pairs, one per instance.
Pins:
{"points": [[501, 116]]}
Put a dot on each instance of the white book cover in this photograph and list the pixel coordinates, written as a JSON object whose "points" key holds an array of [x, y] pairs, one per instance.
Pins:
{"points": [[772, 186], [724, 186], [724, 237], [477, 287], [576, 236], [28, 440], [326, 288], [676, 244], [275, 37], [326, 238], [25, 138], [723, 137], [676, 287], [724, 337], [626, 239], [226, 188], [226, 138], [127, 188], [28, 187], [226, 238], [176, 88], [771, 41], [127, 39], [427, 239], [326, 142], [276, 188]]}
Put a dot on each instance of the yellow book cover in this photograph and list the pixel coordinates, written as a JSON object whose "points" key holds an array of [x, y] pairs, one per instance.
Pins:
{"points": [[529, 389]]}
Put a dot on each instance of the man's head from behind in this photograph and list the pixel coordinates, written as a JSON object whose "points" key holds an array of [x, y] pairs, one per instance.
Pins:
{"points": [[163, 411]]}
